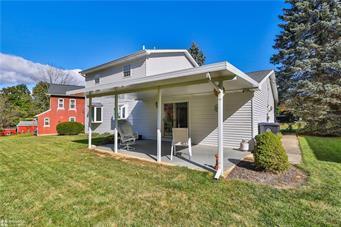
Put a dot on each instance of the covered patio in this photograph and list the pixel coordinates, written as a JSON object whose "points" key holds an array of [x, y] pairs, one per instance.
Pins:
{"points": [[219, 79], [203, 156]]}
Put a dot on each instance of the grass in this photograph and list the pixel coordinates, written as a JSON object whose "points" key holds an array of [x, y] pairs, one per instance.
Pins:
{"points": [[55, 180]]}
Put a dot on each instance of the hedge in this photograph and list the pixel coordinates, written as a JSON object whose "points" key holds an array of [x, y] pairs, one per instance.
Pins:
{"points": [[269, 153], [70, 128]]}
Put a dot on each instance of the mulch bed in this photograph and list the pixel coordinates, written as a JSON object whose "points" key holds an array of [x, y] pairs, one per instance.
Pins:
{"points": [[246, 170]]}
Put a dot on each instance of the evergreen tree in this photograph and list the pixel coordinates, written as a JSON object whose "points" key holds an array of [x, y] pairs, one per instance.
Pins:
{"points": [[309, 65], [197, 54]]}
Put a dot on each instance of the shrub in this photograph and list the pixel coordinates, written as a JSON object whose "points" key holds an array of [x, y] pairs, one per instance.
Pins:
{"points": [[70, 128], [269, 153]]}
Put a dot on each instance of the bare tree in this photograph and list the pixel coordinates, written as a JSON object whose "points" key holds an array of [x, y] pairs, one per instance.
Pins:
{"points": [[58, 76]]}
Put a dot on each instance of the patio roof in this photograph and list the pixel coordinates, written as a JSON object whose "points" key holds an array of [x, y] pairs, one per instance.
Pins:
{"points": [[218, 71]]}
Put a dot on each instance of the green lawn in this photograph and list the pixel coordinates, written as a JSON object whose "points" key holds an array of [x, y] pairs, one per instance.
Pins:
{"points": [[57, 181]]}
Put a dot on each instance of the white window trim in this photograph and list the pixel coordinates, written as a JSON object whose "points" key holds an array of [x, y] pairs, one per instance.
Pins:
{"points": [[125, 112], [60, 108], [75, 104], [48, 121], [73, 118], [95, 114]]}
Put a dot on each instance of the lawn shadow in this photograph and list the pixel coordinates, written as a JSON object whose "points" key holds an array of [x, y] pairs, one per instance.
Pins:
{"points": [[95, 141], [324, 150], [246, 164]]}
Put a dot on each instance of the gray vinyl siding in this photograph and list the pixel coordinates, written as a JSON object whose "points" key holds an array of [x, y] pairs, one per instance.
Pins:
{"points": [[141, 67], [261, 100], [108, 123], [115, 73], [237, 119], [166, 62], [202, 117], [143, 117]]}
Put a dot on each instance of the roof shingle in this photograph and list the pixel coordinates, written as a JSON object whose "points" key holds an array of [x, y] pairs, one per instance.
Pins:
{"points": [[61, 89], [259, 75]]}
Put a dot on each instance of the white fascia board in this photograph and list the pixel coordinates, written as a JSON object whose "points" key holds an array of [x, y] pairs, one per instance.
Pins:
{"points": [[42, 113], [115, 62], [242, 75], [220, 66], [266, 77], [274, 87], [272, 77]]}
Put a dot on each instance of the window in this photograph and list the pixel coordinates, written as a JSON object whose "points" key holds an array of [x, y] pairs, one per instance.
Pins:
{"points": [[72, 105], [60, 103], [46, 122], [72, 119], [126, 70], [122, 111], [96, 79], [96, 114]]}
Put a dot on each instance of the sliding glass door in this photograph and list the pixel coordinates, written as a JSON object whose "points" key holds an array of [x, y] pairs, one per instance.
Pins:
{"points": [[175, 116]]}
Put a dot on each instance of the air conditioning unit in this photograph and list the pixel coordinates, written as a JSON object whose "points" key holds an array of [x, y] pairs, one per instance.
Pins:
{"points": [[268, 127]]}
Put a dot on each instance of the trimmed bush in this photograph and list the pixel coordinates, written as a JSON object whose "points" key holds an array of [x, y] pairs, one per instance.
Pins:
{"points": [[70, 128], [269, 153]]}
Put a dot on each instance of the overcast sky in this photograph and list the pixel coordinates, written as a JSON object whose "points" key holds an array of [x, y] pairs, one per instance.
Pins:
{"points": [[17, 70]]}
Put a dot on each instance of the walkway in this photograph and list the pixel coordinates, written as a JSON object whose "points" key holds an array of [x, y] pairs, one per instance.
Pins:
{"points": [[291, 146]]}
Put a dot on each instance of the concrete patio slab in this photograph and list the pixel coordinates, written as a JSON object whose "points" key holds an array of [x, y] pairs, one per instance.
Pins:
{"points": [[203, 156]]}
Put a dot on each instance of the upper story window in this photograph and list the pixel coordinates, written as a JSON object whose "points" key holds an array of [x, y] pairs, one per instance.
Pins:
{"points": [[60, 103], [97, 79], [72, 105], [46, 122], [126, 70]]}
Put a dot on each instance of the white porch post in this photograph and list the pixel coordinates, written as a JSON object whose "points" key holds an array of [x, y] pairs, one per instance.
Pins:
{"points": [[220, 130], [89, 123], [116, 124], [159, 106]]}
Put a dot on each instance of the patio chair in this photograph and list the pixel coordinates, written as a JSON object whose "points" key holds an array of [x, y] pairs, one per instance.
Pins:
{"points": [[127, 135], [181, 138]]}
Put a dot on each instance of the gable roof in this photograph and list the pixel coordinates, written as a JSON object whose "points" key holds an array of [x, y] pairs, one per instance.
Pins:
{"points": [[61, 89], [259, 75], [27, 123], [136, 55]]}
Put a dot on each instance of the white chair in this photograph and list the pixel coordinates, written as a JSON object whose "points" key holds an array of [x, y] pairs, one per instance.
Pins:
{"points": [[181, 138], [127, 135]]}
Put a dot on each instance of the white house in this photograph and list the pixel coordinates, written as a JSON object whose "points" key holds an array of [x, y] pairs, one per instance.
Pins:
{"points": [[157, 90]]}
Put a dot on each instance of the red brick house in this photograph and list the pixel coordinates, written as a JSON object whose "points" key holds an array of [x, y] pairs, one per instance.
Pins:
{"points": [[26, 127], [62, 108]]}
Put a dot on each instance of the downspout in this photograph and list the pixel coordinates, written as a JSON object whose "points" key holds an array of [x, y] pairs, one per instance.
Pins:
{"points": [[220, 91]]}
